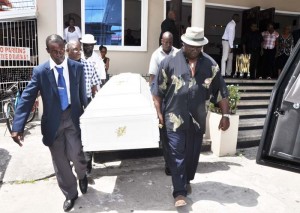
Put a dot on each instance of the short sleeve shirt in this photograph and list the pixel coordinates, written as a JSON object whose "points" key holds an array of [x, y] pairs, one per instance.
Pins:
{"points": [[157, 56], [184, 97]]}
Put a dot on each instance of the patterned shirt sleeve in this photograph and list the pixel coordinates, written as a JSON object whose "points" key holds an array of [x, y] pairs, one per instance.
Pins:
{"points": [[219, 89], [96, 80], [161, 80]]}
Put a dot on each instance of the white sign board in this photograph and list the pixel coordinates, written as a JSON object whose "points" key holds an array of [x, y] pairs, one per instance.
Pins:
{"points": [[14, 53]]}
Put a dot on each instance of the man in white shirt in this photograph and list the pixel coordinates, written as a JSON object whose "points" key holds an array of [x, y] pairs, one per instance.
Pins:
{"points": [[227, 44], [158, 55], [88, 42]]}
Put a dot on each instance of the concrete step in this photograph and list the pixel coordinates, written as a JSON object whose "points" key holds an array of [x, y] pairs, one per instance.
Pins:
{"points": [[253, 102], [255, 94], [245, 112], [255, 88], [248, 81], [249, 135], [251, 122]]}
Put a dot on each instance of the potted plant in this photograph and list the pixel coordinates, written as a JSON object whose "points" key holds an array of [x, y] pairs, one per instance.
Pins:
{"points": [[224, 142]]}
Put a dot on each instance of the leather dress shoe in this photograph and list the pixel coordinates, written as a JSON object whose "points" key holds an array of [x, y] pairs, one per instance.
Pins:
{"points": [[68, 204], [83, 185]]}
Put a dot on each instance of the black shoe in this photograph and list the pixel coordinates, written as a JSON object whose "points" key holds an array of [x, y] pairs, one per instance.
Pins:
{"points": [[83, 185], [167, 171], [68, 204]]}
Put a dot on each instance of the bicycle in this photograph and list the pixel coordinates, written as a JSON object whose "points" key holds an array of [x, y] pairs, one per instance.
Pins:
{"points": [[12, 103]]}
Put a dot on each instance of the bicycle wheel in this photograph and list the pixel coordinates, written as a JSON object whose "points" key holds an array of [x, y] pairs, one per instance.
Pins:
{"points": [[9, 115], [32, 114]]}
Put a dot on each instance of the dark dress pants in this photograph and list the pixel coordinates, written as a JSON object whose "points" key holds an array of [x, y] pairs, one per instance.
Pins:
{"points": [[164, 144], [67, 147], [176, 161], [192, 151], [255, 55], [89, 155]]}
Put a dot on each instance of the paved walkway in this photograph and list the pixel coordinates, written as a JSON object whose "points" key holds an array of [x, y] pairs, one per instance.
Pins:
{"points": [[226, 184]]}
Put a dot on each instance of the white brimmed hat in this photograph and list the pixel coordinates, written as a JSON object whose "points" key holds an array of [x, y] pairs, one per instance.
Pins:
{"points": [[88, 39], [194, 36]]}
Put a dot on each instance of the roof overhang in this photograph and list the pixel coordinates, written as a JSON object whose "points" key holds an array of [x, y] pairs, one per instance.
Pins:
{"points": [[15, 15]]}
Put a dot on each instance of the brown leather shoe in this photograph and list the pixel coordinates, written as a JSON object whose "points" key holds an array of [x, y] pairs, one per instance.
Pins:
{"points": [[180, 201]]}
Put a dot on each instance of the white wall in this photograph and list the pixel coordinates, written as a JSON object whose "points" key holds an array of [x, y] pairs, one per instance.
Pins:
{"points": [[46, 25]]}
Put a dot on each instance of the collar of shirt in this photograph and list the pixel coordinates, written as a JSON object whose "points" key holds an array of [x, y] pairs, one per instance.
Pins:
{"points": [[53, 64], [164, 53]]}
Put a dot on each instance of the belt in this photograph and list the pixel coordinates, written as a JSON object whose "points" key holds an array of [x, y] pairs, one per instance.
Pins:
{"points": [[224, 40]]}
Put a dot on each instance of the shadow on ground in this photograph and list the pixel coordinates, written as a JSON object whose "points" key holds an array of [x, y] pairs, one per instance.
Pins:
{"points": [[208, 167], [140, 185], [4, 161]]}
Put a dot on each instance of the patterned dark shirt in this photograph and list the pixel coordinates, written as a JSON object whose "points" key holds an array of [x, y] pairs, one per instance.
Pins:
{"points": [[285, 45], [184, 97]]}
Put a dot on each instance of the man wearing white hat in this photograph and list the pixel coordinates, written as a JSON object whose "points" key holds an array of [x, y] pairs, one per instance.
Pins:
{"points": [[88, 42], [186, 80]]}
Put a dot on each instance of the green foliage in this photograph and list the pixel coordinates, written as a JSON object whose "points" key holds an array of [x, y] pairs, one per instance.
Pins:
{"points": [[233, 98]]}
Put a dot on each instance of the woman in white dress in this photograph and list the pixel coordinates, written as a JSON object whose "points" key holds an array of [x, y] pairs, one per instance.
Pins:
{"points": [[72, 32]]}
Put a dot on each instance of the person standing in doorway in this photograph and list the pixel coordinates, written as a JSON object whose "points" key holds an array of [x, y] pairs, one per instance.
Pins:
{"points": [[185, 81], [268, 51], [251, 45], [169, 25], [227, 44], [72, 32], [285, 47], [158, 55], [61, 84]]}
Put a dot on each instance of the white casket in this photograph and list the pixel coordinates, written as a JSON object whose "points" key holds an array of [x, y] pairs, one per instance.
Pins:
{"points": [[121, 116]]}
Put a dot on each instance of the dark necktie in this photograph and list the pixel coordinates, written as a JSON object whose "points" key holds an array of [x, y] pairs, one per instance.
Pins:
{"points": [[62, 89]]}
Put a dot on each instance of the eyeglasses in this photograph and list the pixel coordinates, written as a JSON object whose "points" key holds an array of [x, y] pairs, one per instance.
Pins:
{"points": [[76, 50]]}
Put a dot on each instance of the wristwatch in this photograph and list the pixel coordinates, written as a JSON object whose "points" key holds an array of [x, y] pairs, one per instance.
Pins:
{"points": [[226, 115]]}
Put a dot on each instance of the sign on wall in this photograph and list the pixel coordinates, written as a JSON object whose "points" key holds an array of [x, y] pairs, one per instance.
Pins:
{"points": [[14, 53]]}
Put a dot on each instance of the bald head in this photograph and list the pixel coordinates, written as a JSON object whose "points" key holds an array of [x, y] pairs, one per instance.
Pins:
{"points": [[167, 35], [167, 42]]}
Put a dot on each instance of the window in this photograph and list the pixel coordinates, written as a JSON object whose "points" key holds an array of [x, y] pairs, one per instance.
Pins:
{"points": [[119, 24]]}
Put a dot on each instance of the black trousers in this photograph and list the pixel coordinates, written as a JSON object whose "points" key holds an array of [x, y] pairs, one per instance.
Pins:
{"points": [[255, 55], [268, 60]]}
